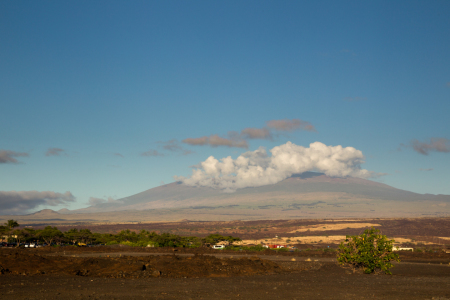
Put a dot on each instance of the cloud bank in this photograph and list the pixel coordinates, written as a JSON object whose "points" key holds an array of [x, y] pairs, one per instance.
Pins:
{"points": [[21, 202], [7, 156], [257, 168]]}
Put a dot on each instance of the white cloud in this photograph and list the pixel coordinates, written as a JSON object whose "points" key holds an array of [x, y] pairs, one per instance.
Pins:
{"points": [[21, 202], [257, 168]]}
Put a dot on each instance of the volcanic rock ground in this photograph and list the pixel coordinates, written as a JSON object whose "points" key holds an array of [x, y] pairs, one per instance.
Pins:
{"points": [[140, 273], [203, 273]]}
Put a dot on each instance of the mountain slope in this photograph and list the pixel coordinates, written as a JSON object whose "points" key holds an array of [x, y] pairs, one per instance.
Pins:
{"points": [[305, 196], [298, 190]]}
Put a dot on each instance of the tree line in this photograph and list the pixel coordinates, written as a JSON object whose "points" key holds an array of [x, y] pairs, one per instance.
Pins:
{"points": [[53, 236]]}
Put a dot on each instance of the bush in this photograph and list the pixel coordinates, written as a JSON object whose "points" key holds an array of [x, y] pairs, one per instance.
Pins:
{"points": [[329, 250], [110, 243], [282, 249], [370, 251], [256, 248]]}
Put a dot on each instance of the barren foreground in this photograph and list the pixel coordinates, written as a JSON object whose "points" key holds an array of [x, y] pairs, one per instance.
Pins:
{"points": [[118, 273]]}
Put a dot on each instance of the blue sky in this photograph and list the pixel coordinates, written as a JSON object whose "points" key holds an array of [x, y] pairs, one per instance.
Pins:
{"points": [[88, 87]]}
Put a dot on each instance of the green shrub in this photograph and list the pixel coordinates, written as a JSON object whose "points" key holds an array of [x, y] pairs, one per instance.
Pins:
{"points": [[370, 251], [110, 243], [256, 248], [283, 249], [127, 243]]}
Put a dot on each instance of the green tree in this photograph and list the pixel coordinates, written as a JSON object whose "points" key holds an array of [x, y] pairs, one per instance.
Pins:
{"points": [[370, 251], [128, 236], [72, 235], [215, 238], [49, 234], [192, 242], [105, 238], [3, 231], [29, 234], [10, 225], [167, 240], [232, 239], [85, 235], [21, 235], [24, 235]]}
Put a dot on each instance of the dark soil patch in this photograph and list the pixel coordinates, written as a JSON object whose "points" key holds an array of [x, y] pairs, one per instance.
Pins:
{"points": [[21, 263], [327, 281]]}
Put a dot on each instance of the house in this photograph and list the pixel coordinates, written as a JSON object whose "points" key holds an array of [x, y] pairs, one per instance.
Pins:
{"points": [[274, 246]]}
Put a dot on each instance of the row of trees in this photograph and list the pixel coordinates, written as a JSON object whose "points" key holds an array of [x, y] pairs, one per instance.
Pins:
{"points": [[48, 235], [52, 235]]}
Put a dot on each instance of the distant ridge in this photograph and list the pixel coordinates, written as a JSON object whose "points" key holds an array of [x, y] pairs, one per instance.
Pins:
{"points": [[44, 212]]}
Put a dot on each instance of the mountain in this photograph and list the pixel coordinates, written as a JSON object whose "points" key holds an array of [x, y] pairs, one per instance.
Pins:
{"points": [[307, 195], [303, 194]]}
